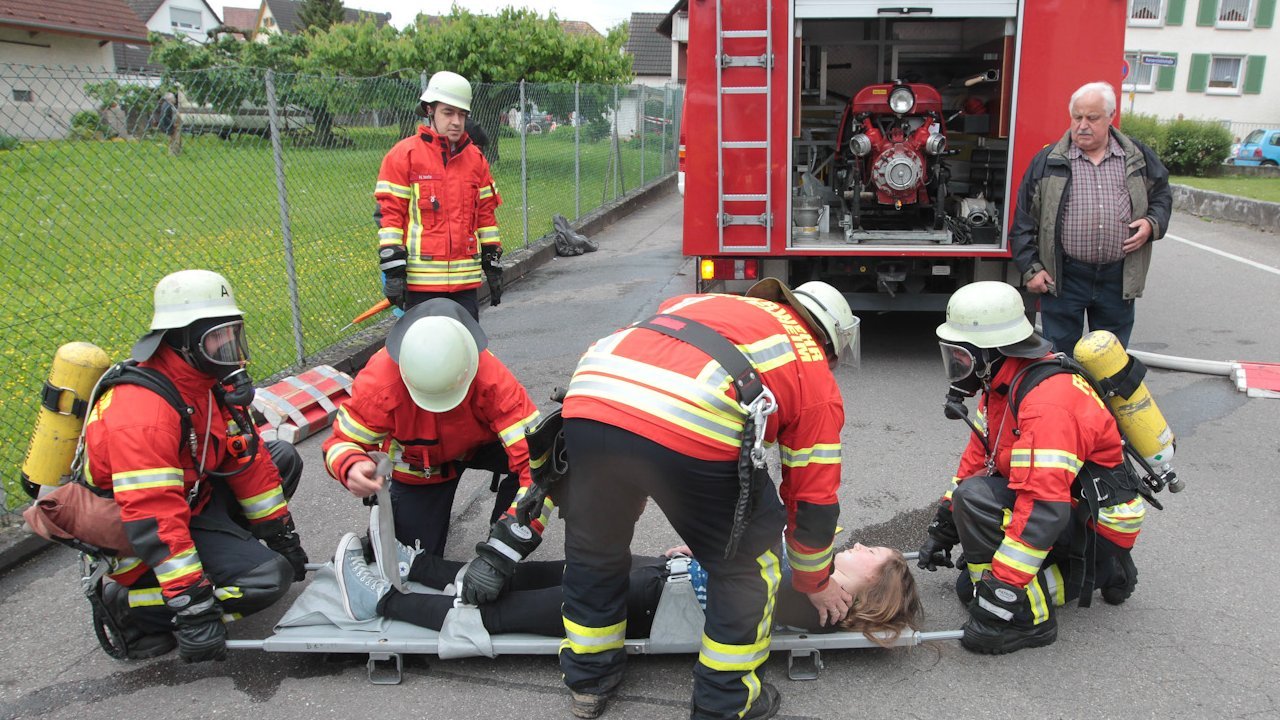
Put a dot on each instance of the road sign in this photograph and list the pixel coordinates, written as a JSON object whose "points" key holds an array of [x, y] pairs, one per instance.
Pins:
{"points": [[1159, 60], [1124, 69]]}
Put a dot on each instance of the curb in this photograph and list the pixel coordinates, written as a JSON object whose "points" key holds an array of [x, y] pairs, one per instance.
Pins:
{"points": [[18, 544], [1217, 206]]}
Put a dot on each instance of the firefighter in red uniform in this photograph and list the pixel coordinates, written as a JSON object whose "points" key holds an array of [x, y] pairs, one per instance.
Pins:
{"points": [[1018, 502], [651, 415], [436, 204], [438, 401], [193, 510]]}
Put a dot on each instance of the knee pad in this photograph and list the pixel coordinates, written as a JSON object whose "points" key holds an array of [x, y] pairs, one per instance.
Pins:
{"points": [[258, 588], [979, 515]]}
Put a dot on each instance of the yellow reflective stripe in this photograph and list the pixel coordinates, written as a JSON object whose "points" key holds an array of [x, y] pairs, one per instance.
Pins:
{"points": [[658, 405], [263, 504], [145, 597], [1039, 604], [585, 640], [120, 566], [819, 454], [386, 187], [1055, 589], [733, 658], [390, 236], [228, 593], [705, 397], [976, 570], [179, 565], [1045, 458], [1019, 556], [332, 455], [769, 353], [548, 506], [146, 479], [514, 433], [486, 192], [1125, 517], [809, 562], [348, 426], [488, 233], [771, 573], [231, 617], [413, 233], [955, 483], [981, 420]]}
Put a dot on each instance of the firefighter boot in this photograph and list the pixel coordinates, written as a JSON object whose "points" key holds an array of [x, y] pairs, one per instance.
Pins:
{"points": [[1121, 575], [964, 584], [1001, 620], [766, 705], [138, 644]]}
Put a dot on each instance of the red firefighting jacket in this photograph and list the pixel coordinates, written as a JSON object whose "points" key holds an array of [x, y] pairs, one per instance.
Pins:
{"points": [[425, 447], [440, 206], [136, 449], [670, 392], [1061, 425]]}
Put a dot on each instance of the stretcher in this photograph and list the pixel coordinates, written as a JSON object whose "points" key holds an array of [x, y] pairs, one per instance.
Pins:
{"points": [[316, 623]]}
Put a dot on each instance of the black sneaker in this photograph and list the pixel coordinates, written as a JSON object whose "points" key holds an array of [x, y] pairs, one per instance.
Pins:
{"points": [[990, 638], [1124, 579], [766, 704]]}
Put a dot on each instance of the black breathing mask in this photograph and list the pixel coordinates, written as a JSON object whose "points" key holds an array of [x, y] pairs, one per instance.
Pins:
{"points": [[218, 348]]}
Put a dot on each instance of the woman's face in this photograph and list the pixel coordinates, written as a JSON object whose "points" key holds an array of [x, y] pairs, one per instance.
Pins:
{"points": [[861, 565]]}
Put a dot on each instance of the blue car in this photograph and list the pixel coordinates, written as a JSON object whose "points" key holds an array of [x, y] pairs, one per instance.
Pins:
{"points": [[1260, 147]]}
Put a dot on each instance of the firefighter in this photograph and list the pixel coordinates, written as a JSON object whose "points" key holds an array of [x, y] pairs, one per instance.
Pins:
{"points": [[438, 401], [195, 496], [436, 203], [651, 415], [1024, 503]]}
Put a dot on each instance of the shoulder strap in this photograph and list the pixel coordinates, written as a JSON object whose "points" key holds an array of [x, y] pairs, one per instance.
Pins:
{"points": [[745, 378], [1037, 372], [130, 373]]}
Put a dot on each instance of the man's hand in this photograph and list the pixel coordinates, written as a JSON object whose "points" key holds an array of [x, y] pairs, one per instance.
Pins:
{"points": [[1141, 234], [361, 480], [197, 619], [678, 550], [393, 261], [831, 602], [281, 536], [1041, 282]]}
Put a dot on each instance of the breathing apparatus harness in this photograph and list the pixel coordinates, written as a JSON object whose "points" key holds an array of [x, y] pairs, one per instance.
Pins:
{"points": [[755, 400]]}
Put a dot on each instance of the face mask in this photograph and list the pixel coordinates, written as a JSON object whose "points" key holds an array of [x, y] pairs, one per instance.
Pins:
{"points": [[968, 368]]}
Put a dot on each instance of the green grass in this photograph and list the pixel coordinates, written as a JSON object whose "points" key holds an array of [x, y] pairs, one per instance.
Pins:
{"points": [[87, 228], [1257, 188]]}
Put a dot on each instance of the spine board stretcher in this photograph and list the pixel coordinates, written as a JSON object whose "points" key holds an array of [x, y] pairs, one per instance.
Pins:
{"points": [[677, 628]]}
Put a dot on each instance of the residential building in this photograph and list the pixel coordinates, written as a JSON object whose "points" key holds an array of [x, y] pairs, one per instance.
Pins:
{"points": [[281, 16], [1220, 51], [190, 20]]}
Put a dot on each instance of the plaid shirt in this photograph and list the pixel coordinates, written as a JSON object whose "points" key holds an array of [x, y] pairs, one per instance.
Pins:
{"points": [[1096, 219]]}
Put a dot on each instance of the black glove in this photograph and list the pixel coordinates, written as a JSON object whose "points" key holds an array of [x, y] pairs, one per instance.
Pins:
{"points": [[198, 620], [393, 261], [279, 534], [491, 252], [934, 554], [509, 543]]}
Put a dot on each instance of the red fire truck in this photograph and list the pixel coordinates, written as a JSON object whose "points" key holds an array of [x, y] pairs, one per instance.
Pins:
{"points": [[877, 147]]}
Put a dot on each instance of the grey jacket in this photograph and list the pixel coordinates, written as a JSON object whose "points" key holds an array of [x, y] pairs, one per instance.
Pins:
{"points": [[1037, 222]]}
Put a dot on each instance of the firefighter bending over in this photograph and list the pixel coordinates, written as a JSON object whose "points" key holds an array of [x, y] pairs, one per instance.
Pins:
{"points": [[195, 496], [660, 410], [1041, 504]]}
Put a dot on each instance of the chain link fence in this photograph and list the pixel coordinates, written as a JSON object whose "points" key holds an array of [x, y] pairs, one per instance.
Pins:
{"points": [[115, 180]]}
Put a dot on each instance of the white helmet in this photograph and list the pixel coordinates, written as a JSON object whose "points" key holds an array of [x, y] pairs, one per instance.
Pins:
{"points": [[182, 298], [438, 360], [821, 307], [449, 88], [991, 314]]}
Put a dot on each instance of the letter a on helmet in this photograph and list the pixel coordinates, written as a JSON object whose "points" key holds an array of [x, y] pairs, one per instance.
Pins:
{"points": [[182, 298]]}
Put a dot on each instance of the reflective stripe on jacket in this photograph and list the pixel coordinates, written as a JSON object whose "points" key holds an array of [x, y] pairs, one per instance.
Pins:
{"points": [[440, 207]]}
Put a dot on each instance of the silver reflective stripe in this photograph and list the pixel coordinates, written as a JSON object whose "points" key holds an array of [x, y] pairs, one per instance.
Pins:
{"points": [[1018, 556], [730, 432], [755, 657], [505, 549], [996, 610]]}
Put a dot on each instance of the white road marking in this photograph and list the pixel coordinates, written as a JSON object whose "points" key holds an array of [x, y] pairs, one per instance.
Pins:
{"points": [[1229, 256]]}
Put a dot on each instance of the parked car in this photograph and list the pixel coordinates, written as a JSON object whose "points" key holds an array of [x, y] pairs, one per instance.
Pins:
{"points": [[1260, 147]]}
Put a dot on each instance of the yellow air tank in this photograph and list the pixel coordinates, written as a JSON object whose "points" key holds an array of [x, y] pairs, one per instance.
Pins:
{"points": [[1141, 422], [77, 366]]}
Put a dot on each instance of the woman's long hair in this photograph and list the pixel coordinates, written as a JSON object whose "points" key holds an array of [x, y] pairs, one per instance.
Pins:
{"points": [[883, 610]]}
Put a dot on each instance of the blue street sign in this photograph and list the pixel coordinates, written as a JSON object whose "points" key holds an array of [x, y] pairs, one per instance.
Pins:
{"points": [[1159, 60], [1124, 69]]}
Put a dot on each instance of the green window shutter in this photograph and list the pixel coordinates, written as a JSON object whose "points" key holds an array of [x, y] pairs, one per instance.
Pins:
{"points": [[1266, 16], [1208, 15], [1253, 74], [1178, 8], [1198, 78], [1165, 75]]}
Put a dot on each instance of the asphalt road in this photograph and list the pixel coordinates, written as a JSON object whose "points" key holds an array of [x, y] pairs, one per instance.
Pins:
{"points": [[1198, 639]]}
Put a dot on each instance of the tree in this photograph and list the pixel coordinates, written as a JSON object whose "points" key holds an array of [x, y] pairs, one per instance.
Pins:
{"points": [[321, 14]]}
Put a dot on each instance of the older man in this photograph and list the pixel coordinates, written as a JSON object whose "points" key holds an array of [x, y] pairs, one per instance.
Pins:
{"points": [[1088, 208]]}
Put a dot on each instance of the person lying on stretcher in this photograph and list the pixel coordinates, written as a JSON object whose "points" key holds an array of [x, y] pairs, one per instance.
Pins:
{"points": [[885, 599]]}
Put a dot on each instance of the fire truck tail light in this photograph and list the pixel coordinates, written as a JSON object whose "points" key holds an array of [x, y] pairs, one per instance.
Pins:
{"points": [[728, 269]]}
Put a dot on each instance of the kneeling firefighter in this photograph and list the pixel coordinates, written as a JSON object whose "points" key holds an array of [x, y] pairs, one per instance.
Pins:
{"points": [[1042, 503], [170, 439]]}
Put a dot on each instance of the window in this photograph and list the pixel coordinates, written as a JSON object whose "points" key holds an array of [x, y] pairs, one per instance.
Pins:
{"points": [[1141, 77], [1146, 13], [1233, 14], [23, 95], [185, 19], [1224, 75]]}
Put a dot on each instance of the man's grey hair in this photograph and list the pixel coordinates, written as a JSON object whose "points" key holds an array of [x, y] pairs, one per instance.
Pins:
{"points": [[1102, 88]]}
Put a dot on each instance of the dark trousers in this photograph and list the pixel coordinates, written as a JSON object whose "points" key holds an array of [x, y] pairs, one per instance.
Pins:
{"points": [[247, 576], [530, 604], [469, 299], [613, 472], [1085, 289], [422, 511]]}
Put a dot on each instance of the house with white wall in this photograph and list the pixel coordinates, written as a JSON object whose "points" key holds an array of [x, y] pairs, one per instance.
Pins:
{"points": [[190, 20], [1224, 55]]}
